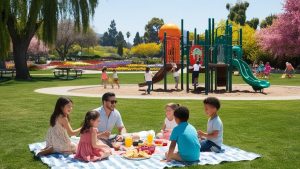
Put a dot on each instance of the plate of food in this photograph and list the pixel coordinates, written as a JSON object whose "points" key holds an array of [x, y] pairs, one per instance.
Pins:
{"points": [[135, 154]]}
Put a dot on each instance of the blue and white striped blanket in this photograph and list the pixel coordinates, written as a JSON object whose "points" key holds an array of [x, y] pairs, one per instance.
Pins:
{"points": [[55, 161]]}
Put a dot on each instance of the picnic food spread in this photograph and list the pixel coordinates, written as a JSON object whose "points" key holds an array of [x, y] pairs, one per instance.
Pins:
{"points": [[136, 154]]}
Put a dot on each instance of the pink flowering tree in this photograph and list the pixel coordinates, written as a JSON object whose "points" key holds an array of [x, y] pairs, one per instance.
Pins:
{"points": [[282, 38], [37, 48]]}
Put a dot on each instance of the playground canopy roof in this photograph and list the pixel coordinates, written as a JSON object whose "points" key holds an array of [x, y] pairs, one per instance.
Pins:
{"points": [[172, 30]]}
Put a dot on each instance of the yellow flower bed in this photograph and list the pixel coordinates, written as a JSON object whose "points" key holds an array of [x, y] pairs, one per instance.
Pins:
{"points": [[132, 69], [76, 63]]}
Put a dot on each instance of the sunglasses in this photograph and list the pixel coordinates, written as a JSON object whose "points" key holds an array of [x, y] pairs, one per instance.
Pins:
{"points": [[113, 101]]}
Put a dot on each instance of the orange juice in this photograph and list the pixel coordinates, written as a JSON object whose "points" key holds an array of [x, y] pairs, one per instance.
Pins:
{"points": [[128, 141], [149, 138]]}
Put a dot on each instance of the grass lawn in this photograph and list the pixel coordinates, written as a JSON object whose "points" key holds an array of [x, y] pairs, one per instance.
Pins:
{"points": [[270, 128]]}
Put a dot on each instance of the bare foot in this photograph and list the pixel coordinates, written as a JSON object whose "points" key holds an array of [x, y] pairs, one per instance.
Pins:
{"points": [[45, 151]]}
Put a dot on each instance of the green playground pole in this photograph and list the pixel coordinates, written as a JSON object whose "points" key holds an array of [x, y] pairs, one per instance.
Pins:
{"points": [[206, 63], [165, 61], [230, 59], [213, 39], [195, 36], [187, 61], [226, 54], [241, 42], [210, 54], [182, 54]]}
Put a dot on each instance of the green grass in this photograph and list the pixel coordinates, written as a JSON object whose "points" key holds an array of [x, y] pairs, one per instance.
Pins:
{"points": [[270, 128]]}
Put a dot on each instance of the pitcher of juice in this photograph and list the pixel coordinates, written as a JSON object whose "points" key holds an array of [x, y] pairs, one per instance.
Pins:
{"points": [[128, 141], [150, 138]]}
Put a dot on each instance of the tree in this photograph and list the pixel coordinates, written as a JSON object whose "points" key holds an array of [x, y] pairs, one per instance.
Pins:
{"points": [[146, 50], [112, 33], [237, 12], [268, 21], [151, 30], [87, 39], [20, 21], [105, 39], [128, 35], [66, 37], [37, 48], [137, 39], [253, 23], [120, 42], [282, 38]]}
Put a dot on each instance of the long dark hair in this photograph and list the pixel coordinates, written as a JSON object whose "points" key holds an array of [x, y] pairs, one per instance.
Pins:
{"points": [[90, 115], [58, 110]]}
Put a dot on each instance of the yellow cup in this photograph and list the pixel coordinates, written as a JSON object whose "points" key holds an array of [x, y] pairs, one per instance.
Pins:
{"points": [[149, 138], [128, 141]]}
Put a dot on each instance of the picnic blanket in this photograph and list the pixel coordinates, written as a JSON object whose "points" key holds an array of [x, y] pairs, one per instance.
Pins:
{"points": [[115, 161]]}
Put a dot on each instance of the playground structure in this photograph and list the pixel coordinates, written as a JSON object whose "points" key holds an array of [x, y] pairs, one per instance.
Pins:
{"points": [[219, 54]]}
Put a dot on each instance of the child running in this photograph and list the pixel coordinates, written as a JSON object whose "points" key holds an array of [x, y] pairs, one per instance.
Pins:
{"points": [[115, 79], [148, 78], [267, 70], [89, 147], [104, 77]]}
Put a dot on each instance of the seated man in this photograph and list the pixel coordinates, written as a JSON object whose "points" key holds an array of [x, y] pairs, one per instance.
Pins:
{"points": [[109, 118]]}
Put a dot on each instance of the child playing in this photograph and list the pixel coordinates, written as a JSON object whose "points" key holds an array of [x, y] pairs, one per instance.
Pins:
{"points": [[289, 70], [148, 78], [267, 70], [185, 135], [175, 75], [104, 77], [89, 147], [195, 75], [260, 69], [57, 139], [115, 79], [213, 139], [170, 122]]}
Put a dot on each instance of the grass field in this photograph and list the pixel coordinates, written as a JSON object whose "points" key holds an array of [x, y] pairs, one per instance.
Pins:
{"points": [[270, 128]]}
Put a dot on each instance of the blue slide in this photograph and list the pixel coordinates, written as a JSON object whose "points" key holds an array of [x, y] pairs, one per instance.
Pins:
{"points": [[246, 73]]}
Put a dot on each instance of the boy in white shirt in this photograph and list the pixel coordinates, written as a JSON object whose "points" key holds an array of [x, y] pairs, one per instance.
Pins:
{"points": [[148, 78], [195, 75]]}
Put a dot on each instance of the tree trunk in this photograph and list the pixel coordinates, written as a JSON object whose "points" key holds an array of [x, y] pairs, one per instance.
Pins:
{"points": [[19, 53], [2, 64]]}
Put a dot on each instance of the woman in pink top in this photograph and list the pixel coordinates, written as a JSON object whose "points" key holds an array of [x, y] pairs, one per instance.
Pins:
{"points": [[267, 70], [89, 147], [104, 77]]}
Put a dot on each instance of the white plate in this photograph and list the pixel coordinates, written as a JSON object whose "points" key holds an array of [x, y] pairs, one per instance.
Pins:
{"points": [[144, 158]]}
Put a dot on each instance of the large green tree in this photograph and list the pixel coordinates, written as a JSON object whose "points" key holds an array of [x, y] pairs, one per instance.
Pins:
{"points": [[237, 12], [20, 20], [253, 23], [120, 42], [151, 30], [137, 39], [268, 21]]}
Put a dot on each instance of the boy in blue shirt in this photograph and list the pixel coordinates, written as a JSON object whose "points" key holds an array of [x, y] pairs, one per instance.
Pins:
{"points": [[185, 135], [213, 139]]}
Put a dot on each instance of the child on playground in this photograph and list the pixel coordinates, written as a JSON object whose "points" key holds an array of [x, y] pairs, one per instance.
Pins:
{"points": [[115, 79], [213, 138], [289, 70], [148, 78], [260, 69], [57, 139], [175, 75], [89, 147], [267, 70], [169, 122], [185, 136], [195, 75], [104, 77]]}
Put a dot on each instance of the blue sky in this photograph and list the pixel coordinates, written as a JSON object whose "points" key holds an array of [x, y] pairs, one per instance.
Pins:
{"points": [[133, 15]]}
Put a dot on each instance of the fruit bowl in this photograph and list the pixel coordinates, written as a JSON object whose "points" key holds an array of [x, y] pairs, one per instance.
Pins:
{"points": [[149, 149]]}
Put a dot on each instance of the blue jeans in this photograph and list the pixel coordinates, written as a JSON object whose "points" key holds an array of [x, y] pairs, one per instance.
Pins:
{"points": [[149, 84], [207, 145]]}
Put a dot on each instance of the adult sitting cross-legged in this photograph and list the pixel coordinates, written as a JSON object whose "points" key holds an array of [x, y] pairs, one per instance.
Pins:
{"points": [[109, 118]]}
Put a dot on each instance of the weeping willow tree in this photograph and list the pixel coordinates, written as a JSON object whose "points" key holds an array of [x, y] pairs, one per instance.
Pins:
{"points": [[20, 20]]}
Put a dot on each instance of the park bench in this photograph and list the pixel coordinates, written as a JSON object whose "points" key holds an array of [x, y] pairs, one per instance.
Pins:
{"points": [[7, 73], [67, 73]]}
